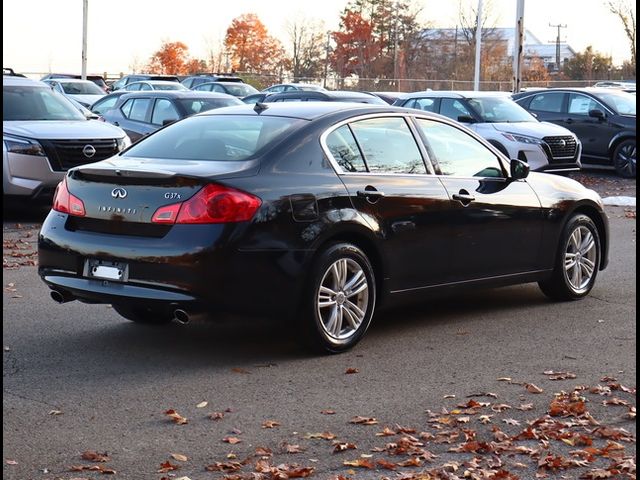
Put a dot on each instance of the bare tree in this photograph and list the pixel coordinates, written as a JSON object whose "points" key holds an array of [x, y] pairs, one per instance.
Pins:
{"points": [[307, 43], [625, 11]]}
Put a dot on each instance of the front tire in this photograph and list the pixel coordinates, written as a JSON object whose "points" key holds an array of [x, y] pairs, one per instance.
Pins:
{"points": [[577, 261], [340, 299], [624, 159]]}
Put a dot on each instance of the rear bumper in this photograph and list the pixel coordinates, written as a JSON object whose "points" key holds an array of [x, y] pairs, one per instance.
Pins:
{"points": [[192, 267]]}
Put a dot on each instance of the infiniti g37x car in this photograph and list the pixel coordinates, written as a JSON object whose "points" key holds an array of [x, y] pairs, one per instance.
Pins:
{"points": [[318, 212]]}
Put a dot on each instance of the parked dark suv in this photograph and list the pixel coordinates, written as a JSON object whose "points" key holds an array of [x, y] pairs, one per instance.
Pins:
{"points": [[127, 79], [604, 119], [195, 80]]}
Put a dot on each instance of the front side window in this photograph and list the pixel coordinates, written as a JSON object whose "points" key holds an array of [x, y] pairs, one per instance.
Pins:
{"points": [[163, 111], [345, 151], [547, 102], [388, 145], [581, 104], [453, 108], [458, 153], [102, 106]]}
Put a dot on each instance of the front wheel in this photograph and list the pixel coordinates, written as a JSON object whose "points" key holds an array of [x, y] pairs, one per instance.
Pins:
{"points": [[340, 299], [577, 261], [624, 159]]}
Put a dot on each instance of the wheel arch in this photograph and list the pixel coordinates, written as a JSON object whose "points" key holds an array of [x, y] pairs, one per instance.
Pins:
{"points": [[619, 138], [594, 214]]}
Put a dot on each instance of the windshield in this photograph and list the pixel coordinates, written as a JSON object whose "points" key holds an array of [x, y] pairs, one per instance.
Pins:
{"points": [[622, 102], [81, 88], [240, 89], [169, 86], [35, 102], [498, 110], [214, 138]]}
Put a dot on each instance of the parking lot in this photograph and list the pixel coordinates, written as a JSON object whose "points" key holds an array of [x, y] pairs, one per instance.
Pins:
{"points": [[442, 386]]}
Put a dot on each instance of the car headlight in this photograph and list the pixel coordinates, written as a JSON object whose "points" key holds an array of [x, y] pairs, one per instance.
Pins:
{"points": [[23, 146], [123, 142], [522, 138]]}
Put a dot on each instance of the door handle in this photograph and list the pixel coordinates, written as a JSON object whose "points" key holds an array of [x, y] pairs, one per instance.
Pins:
{"points": [[116, 124], [370, 194], [463, 197], [569, 120]]}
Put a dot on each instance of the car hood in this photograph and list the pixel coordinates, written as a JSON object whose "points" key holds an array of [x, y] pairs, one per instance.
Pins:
{"points": [[85, 99], [532, 129], [61, 129]]}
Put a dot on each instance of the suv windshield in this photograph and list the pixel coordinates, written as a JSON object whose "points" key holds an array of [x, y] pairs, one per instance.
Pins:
{"points": [[214, 138], [622, 103], [240, 89], [497, 110], [35, 102], [81, 88]]}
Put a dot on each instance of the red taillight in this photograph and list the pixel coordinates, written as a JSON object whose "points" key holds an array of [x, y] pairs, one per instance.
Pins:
{"points": [[212, 204], [64, 202]]}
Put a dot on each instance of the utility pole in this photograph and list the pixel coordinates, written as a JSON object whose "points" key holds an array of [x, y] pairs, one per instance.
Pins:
{"points": [[85, 16], [326, 60], [518, 46], [395, 49], [476, 75], [558, 26]]}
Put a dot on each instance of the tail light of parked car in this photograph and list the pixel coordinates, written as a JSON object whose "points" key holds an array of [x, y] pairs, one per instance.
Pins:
{"points": [[212, 204], [65, 202]]}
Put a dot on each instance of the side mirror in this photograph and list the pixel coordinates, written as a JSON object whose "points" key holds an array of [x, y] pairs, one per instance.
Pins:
{"points": [[595, 113], [466, 119], [519, 169]]}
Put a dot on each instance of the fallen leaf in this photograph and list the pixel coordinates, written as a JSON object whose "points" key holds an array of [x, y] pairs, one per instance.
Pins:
{"points": [[532, 388], [241, 370], [270, 424], [350, 371], [343, 446], [386, 464], [449, 396], [167, 467], [323, 435], [360, 463], [231, 440], [11, 462], [176, 417], [55, 412], [288, 448], [216, 415], [202, 404], [511, 421], [328, 412], [386, 432], [92, 456], [180, 457], [363, 420]]}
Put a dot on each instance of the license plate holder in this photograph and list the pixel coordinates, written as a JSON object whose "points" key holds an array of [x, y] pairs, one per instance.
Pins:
{"points": [[106, 270]]}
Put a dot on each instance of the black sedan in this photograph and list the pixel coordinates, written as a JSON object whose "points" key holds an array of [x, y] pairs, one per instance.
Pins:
{"points": [[318, 212], [604, 119], [141, 113]]}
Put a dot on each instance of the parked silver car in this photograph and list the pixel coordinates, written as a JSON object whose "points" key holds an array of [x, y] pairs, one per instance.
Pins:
{"points": [[85, 92], [44, 135]]}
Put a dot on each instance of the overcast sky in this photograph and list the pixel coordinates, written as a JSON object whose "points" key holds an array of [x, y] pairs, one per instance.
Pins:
{"points": [[46, 35]]}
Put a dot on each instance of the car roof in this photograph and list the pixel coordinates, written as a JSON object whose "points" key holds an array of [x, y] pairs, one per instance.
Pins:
{"points": [[307, 110], [15, 80], [589, 90], [456, 94], [67, 80], [154, 82], [177, 94], [51, 76]]}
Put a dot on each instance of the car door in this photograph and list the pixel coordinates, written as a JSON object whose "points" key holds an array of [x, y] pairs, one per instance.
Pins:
{"points": [[382, 167], [594, 133], [496, 223]]}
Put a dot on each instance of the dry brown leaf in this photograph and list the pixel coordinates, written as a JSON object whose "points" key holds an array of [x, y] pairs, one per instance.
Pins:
{"points": [[270, 424], [216, 415], [343, 446], [92, 456], [223, 467], [323, 435], [241, 370], [180, 457], [360, 463], [511, 421], [386, 432], [167, 467], [351, 371], [55, 412], [288, 448], [532, 388], [328, 412], [176, 417], [231, 440], [11, 462], [202, 404], [386, 464], [363, 420]]}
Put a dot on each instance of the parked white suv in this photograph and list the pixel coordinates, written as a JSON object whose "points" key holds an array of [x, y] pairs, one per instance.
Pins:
{"points": [[44, 135], [506, 125]]}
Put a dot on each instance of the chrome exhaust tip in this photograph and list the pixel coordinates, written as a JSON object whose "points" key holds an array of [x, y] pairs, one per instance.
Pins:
{"points": [[181, 316]]}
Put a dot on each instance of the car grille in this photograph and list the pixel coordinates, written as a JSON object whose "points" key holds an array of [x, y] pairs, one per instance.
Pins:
{"points": [[65, 154], [563, 147]]}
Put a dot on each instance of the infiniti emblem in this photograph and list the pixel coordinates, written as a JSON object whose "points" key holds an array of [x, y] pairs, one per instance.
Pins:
{"points": [[118, 192], [89, 151]]}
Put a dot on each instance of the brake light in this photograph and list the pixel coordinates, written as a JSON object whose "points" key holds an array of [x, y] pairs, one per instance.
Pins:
{"points": [[212, 204], [65, 202]]}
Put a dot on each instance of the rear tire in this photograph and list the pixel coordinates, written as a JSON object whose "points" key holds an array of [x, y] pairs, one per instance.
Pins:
{"points": [[143, 315], [624, 159], [577, 261], [339, 300]]}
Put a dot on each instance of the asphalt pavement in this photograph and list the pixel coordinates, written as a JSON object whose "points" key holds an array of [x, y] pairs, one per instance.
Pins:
{"points": [[78, 378]]}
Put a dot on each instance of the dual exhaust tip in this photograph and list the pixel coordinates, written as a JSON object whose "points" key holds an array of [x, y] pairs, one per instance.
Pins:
{"points": [[60, 296]]}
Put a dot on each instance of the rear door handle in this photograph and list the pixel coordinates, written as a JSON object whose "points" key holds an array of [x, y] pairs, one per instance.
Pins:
{"points": [[116, 124], [370, 194], [569, 120]]}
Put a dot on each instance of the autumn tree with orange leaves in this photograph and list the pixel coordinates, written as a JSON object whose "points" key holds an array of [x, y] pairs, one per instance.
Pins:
{"points": [[251, 48], [173, 59]]}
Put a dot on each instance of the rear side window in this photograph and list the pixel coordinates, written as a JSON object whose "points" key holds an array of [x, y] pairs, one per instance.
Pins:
{"points": [[345, 151], [136, 109], [547, 102], [162, 111], [215, 138], [452, 108], [426, 104], [388, 145]]}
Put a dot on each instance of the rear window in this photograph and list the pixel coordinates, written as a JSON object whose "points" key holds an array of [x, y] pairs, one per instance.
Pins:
{"points": [[215, 138], [197, 105]]}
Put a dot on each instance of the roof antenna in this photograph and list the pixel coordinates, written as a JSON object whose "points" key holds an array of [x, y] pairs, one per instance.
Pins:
{"points": [[260, 107]]}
